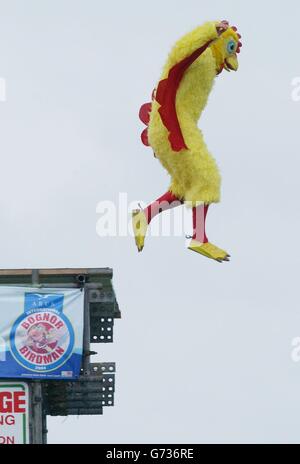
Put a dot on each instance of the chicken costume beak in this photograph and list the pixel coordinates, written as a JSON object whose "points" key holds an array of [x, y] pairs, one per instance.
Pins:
{"points": [[231, 63]]}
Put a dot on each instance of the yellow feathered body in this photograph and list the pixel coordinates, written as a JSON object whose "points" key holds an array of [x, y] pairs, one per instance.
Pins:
{"points": [[194, 173]]}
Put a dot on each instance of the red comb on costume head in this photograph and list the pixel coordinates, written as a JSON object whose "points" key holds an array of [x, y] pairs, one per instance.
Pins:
{"points": [[235, 29]]}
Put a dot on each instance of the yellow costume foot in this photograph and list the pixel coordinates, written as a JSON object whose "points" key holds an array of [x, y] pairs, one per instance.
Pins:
{"points": [[140, 225], [209, 250]]}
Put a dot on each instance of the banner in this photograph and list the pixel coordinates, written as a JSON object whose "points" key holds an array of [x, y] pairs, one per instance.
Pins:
{"points": [[41, 332]]}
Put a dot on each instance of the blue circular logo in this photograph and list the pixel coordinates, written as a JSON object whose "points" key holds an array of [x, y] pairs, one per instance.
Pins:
{"points": [[42, 340]]}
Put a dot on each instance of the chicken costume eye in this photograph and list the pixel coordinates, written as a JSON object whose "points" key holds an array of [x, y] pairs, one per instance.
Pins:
{"points": [[231, 47]]}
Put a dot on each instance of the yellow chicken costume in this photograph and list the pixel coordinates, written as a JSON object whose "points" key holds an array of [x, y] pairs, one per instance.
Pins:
{"points": [[173, 134]]}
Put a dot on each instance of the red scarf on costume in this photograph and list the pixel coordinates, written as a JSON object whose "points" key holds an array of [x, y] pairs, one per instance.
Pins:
{"points": [[166, 97]]}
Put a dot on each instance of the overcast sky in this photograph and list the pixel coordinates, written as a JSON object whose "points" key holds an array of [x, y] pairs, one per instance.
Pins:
{"points": [[203, 350]]}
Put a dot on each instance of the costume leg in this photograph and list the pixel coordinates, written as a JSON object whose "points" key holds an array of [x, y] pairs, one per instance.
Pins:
{"points": [[200, 243], [199, 219], [165, 202], [142, 218]]}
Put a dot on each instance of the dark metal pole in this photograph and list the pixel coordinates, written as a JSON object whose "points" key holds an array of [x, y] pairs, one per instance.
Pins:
{"points": [[86, 330], [36, 413], [44, 427]]}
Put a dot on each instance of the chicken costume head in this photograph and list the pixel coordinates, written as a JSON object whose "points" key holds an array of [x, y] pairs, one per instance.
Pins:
{"points": [[225, 50]]}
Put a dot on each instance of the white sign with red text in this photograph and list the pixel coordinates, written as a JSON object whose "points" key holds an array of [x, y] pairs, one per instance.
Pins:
{"points": [[14, 413]]}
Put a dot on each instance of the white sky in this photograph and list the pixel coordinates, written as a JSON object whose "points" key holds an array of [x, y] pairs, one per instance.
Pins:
{"points": [[203, 350]]}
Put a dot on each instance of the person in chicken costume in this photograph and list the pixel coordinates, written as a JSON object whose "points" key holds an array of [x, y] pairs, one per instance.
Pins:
{"points": [[172, 132]]}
